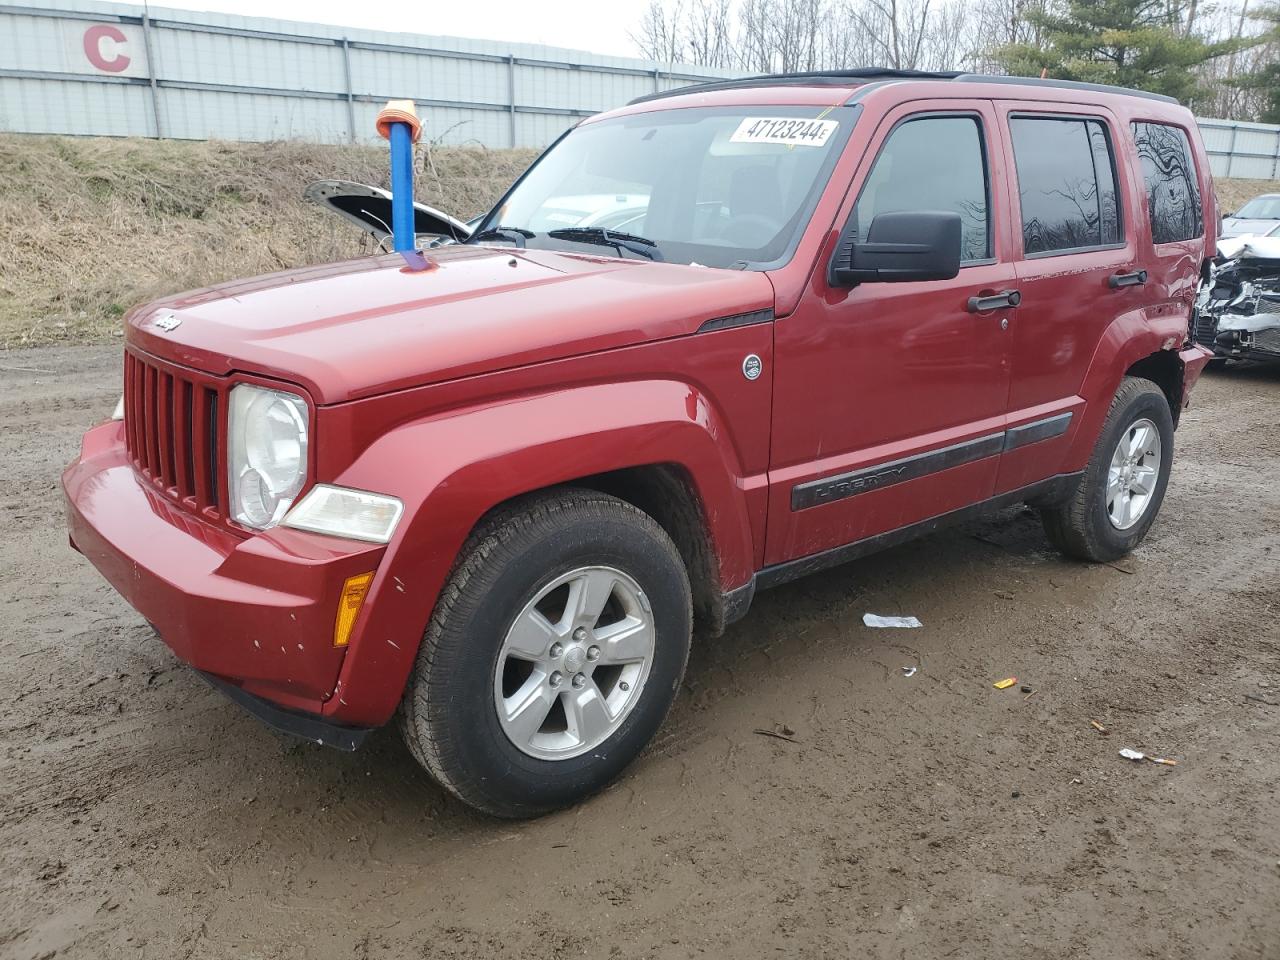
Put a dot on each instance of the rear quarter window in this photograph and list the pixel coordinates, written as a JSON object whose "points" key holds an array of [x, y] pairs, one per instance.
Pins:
{"points": [[1169, 173]]}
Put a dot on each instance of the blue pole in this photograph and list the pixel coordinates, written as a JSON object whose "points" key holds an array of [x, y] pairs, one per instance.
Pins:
{"points": [[402, 187]]}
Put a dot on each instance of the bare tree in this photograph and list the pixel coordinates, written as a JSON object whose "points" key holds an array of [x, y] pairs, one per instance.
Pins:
{"points": [[764, 36], [660, 32]]}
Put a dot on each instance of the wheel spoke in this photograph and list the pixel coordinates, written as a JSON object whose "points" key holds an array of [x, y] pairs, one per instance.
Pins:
{"points": [[528, 709], [627, 641], [1141, 440], [587, 596], [1114, 485], [530, 636], [586, 713], [1144, 479]]}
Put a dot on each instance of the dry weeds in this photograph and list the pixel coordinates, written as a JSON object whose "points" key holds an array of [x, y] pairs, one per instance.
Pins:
{"points": [[89, 227]]}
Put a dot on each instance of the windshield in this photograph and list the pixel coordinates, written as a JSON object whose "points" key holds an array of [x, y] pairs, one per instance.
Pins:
{"points": [[720, 187], [1260, 208]]}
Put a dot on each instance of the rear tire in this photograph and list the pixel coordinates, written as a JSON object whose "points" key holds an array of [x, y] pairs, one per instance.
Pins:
{"points": [[1120, 493], [553, 655]]}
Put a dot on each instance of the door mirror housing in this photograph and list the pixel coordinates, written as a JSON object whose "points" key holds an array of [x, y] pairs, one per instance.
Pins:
{"points": [[900, 247]]}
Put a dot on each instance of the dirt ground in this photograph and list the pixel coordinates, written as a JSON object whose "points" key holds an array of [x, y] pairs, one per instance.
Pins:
{"points": [[931, 816]]}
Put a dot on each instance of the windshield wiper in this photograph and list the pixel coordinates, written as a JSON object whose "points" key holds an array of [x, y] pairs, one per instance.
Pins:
{"points": [[516, 235], [641, 246]]}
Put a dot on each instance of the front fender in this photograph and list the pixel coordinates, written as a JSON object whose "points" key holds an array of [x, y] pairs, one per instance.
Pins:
{"points": [[451, 469], [1129, 338]]}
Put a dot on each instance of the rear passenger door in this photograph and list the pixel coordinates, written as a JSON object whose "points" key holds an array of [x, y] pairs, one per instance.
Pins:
{"points": [[1175, 214], [1076, 272]]}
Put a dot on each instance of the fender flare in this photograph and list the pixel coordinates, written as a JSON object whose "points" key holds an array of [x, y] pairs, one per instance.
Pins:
{"points": [[452, 469], [1129, 338]]}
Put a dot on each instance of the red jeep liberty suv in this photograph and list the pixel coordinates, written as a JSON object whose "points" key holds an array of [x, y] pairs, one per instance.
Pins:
{"points": [[709, 342]]}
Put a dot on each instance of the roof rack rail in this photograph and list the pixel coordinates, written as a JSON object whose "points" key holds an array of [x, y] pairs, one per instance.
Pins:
{"points": [[839, 78], [1067, 84], [810, 78]]}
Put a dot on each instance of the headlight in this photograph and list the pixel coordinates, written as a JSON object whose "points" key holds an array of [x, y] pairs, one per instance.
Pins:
{"points": [[267, 453], [118, 412], [342, 512]]}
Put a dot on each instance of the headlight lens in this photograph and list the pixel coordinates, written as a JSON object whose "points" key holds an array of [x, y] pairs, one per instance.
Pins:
{"points": [[118, 412], [342, 512], [267, 453]]}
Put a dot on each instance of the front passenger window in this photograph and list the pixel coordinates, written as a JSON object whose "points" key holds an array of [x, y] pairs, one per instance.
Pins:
{"points": [[933, 163]]}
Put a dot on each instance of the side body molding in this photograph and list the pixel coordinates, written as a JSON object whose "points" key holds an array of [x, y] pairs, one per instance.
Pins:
{"points": [[450, 469]]}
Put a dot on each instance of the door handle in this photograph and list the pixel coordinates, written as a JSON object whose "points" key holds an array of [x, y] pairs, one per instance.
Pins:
{"points": [[1135, 279], [994, 301]]}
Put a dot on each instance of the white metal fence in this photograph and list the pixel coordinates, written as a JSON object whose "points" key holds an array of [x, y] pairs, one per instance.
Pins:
{"points": [[111, 69], [1239, 149]]}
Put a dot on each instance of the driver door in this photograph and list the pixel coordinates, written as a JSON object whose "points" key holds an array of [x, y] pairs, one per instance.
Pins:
{"points": [[890, 398]]}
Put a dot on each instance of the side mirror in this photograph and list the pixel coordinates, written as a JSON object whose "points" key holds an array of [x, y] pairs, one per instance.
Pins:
{"points": [[900, 247]]}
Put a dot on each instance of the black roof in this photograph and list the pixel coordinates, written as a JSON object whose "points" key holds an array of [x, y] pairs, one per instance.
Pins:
{"points": [[877, 75]]}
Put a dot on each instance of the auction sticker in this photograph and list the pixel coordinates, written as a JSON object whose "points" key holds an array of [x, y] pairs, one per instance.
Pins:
{"points": [[791, 131]]}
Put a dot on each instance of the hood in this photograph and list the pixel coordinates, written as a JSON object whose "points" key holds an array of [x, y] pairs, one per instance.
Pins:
{"points": [[1236, 227], [369, 208], [1250, 248], [361, 328]]}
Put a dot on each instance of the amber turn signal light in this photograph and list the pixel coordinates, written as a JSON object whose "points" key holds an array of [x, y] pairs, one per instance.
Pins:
{"points": [[354, 590]]}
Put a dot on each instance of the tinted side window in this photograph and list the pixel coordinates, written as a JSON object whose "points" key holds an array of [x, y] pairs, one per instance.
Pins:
{"points": [[934, 163], [1066, 184], [1173, 195]]}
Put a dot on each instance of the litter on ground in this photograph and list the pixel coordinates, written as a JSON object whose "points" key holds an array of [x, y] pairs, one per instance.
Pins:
{"points": [[1005, 684], [909, 671], [1135, 755], [874, 620]]}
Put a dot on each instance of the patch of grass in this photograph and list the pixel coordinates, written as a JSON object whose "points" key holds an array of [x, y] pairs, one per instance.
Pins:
{"points": [[91, 226], [1232, 194]]}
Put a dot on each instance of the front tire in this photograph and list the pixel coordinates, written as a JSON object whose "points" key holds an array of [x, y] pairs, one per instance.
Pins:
{"points": [[553, 655], [1123, 486]]}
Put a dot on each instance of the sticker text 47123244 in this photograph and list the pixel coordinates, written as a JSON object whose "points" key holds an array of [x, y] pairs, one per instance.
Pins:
{"points": [[791, 131]]}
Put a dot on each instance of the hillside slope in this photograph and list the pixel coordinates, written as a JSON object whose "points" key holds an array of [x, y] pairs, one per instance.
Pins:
{"points": [[91, 226]]}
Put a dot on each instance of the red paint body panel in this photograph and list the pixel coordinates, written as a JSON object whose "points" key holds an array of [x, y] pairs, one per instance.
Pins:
{"points": [[500, 372], [366, 328], [260, 610], [839, 406]]}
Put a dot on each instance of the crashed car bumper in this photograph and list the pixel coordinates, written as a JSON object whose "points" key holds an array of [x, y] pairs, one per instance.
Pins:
{"points": [[1260, 343]]}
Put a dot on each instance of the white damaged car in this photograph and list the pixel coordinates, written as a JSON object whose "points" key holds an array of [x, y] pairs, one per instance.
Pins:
{"points": [[1237, 312]]}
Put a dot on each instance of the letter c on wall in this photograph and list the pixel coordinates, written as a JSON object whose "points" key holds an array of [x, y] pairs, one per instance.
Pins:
{"points": [[93, 38]]}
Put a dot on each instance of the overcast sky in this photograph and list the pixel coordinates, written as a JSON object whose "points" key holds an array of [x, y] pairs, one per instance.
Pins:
{"points": [[600, 26]]}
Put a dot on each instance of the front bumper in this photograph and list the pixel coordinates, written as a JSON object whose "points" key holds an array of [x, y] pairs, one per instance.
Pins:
{"points": [[256, 613]]}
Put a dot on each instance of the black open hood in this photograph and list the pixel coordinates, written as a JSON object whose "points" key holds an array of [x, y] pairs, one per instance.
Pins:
{"points": [[369, 208]]}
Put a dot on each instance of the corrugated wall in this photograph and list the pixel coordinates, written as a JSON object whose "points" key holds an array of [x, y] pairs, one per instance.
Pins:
{"points": [[86, 67], [1238, 149]]}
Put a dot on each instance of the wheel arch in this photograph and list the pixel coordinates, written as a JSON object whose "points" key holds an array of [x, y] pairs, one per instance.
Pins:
{"points": [[667, 493], [1166, 370], [1138, 343]]}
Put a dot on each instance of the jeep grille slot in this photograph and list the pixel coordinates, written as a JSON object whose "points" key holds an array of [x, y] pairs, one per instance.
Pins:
{"points": [[171, 427]]}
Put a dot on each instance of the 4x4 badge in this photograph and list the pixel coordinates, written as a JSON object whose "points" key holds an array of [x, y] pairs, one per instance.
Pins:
{"points": [[752, 367], [168, 323]]}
